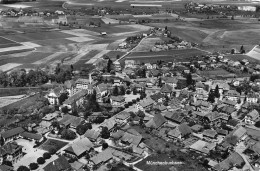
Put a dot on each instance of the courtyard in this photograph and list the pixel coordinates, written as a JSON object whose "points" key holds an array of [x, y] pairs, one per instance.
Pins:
{"points": [[31, 154]]}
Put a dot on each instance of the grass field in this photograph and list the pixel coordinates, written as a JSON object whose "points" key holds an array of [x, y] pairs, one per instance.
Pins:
{"points": [[172, 55], [215, 72], [239, 57], [27, 37], [147, 44]]}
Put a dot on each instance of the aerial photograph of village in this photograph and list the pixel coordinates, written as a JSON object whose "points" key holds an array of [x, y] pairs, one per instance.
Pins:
{"points": [[129, 85]]}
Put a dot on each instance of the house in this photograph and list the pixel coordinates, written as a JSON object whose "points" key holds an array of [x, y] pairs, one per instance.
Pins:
{"points": [[156, 122], [82, 83], [79, 148], [92, 134], [54, 94], [229, 102], [11, 152], [4, 167], [228, 110], [176, 117], [102, 157], [48, 119], [158, 97], [232, 95], [131, 138], [145, 104], [252, 97], [32, 136], [76, 99], [109, 123], [196, 128], [117, 101], [180, 132], [202, 147], [166, 90], [12, 134], [60, 164], [122, 117], [215, 118], [159, 107], [172, 81], [71, 121], [210, 134], [70, 87], [129, 63], [232, 123], [239, 133], [148, 66], [234, 160], [252, 117], [222, 132], [102, 90]]}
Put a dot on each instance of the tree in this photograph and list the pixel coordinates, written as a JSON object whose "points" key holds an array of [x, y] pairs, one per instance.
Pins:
{"points": [[216, 92], [141, 114], [81, 129], [40, 160], [211, 97], [33, 166], [52, 150], [65, 109], [134, 91], [105, 133], [122, 90], [115, 91], [68, 134], [46, 155], [257, 124], [63, 97], [109, 65], [23, 168], [189, 79], [104, 146]]}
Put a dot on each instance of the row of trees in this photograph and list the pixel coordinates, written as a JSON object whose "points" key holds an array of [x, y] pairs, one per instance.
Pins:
{"points": [[20, 78]]}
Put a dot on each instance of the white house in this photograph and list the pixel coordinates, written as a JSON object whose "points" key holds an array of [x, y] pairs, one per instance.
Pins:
{"points": [[252, 117]]}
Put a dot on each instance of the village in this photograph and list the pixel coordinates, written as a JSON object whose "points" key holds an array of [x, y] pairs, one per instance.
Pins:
{"points": [[129, 87], [125, 118]]}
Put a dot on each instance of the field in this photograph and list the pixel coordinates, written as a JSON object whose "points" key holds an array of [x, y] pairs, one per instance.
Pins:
{"points": [[50, 143], [239, 57], [171, 55], [147, 44]]}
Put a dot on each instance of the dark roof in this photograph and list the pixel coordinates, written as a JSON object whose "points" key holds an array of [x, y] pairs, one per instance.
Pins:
{"points": [[92, 134], [175, 116], [166, 88], [184, 129], [210, 133], [12, 132], [31, 135], [157, 121], [233, 160], [75, 97], [157, 96], [9, 148], [59, 164]]}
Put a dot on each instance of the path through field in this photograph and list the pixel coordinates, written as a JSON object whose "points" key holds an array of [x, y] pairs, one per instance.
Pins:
{"points": [[255, 53], [77, 58]]}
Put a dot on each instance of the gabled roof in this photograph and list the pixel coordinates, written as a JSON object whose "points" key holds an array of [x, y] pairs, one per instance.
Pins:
{"points": [[50, 116], [92, 134], [184, 129], [9, 148], [157, 96], [232, 93], [212, 116], [203, 146], [131, 138], [175, 116], [75, 97], [166, 88], [160, 107], [31, 135], [122, 115], [71, 120], [80, 146], [240, 132], [4, 167], [209, 133], [146, 102], [12, 132], [109, 123], [233, 160], [253, 114], [170, 80], [58, 165], [157, 121], [103, 156]]}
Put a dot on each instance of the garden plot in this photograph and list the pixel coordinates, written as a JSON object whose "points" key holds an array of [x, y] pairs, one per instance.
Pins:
{"points": [[48, 58], [18, 6], [135, 26], [80, 32], [76, 58], [30, 44], [9, 66], [80, 39], [97, 56], [14, 48], [109, 20]]}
